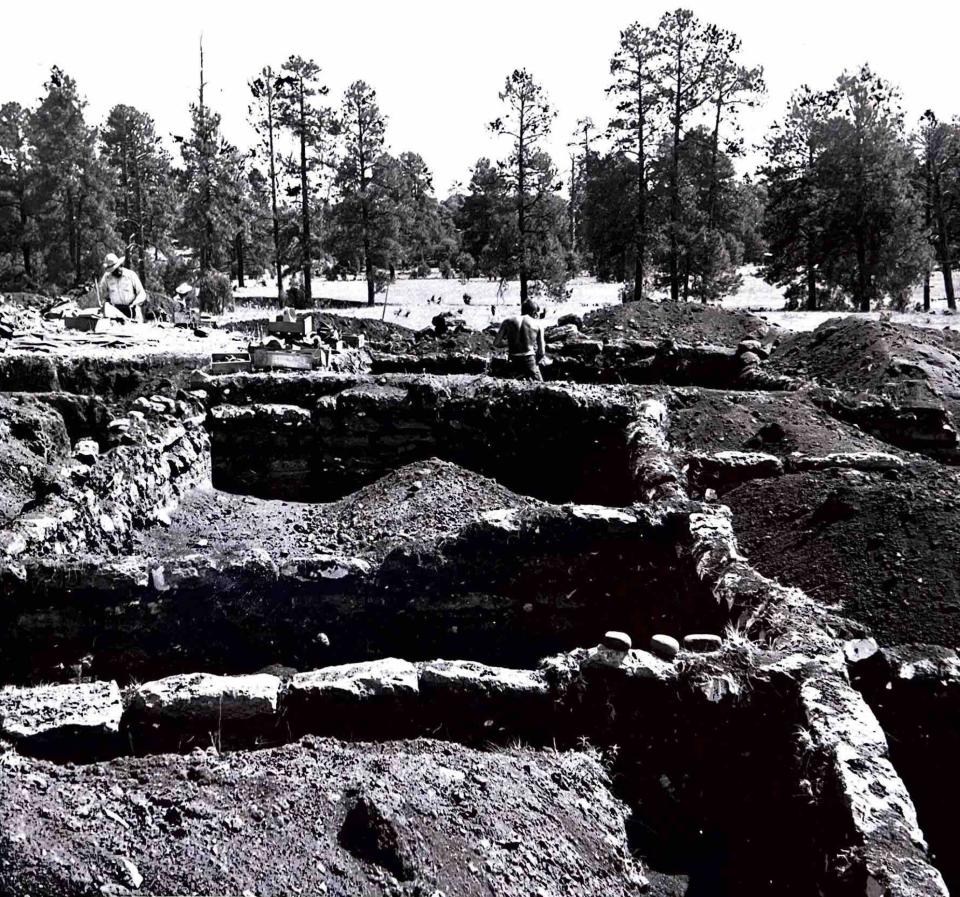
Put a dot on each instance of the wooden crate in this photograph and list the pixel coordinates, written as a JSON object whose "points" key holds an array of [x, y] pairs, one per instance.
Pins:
{"points": [[303, 327], [267, 359], [87, 323], [230, 367]]}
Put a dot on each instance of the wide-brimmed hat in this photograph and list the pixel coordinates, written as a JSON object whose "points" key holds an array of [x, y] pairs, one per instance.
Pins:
{"points": [[183, 289], [111, 261]]}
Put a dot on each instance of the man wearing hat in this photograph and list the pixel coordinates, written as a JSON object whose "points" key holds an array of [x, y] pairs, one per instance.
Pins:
{"points": [[122, 288]]}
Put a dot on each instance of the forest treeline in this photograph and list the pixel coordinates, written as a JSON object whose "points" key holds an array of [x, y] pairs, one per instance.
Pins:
{"points": [[850, 204]]}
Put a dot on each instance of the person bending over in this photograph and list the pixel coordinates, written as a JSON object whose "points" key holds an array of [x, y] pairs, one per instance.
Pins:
{"points": [[122, 288], [523, 336]]}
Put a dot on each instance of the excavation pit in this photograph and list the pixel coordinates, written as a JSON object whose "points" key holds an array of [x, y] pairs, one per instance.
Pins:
{"points": [[663, 759], [319, 439], [508, 587]]}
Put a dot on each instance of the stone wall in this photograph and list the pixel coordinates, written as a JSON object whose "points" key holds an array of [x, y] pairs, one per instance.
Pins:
{"points": [[96, 501], [556, 444]]}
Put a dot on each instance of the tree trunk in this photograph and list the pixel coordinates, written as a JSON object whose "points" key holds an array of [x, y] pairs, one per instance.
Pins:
{"points": [[367, 266], [863, 293], [946, 265], [641, 240], [238, 241], [521, 208], [675, 186], [305, 203], [714, 153], [278, 265], [141, 242], [78, 261], [125, 189], [927, 223], [811, 278], [25, 248]]}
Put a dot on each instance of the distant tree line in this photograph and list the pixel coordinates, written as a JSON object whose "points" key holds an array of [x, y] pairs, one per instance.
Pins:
{"points": [[848, 205]]}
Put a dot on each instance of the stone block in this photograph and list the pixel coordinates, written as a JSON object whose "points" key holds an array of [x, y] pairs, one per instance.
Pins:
{"points": [[207, 699], [375, 679], [70, 721], [617, 641], [665, 647], [702, 643], [471, 679]]}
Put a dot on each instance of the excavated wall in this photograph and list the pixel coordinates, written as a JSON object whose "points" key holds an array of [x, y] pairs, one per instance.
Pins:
{"points": [[291, 443], [752, 769]]}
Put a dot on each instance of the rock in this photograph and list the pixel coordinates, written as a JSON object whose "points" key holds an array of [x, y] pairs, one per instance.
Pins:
{"points": [[372, 833], [617, 641], [467, 677], [664, 646], [62, 720], [922, 663], [385, 678], [754, 346], [561, 334], [573, 320], [860, 650], [206, 699], [86, 451], [749, 359], [702, 643], [131, 873], [157, 579], [633, 664]]}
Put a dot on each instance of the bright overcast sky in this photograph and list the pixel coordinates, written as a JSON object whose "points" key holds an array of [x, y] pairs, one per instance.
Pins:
{"points": [[438, 66]]}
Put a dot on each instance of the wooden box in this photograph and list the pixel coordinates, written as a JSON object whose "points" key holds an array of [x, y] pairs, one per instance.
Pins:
{"points": [[267, 359], [303, 327], [87, 323]]}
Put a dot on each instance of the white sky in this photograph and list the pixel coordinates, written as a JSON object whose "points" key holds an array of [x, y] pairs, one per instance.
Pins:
{"points": [[438, 66]]}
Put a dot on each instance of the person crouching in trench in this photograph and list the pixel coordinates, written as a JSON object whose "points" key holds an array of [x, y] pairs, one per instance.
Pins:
{"points": [[523, 336]]}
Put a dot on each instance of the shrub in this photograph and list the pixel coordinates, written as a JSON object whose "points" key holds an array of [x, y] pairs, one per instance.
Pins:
{"points": [[215, 292]]}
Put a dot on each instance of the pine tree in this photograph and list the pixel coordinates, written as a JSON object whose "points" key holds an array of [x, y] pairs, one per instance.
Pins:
{"points": [[940, 160], [264, 113], [364, 209], [689, 50], [18, 228], [142, 175], [636, 128], [532, 179], [209, 184], [74, 206], [314, 128], [794, 220]]}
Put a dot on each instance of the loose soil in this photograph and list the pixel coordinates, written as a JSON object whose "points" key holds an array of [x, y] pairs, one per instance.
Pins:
{"points": [[418, 503], [774, 422], [32, 437], [321, 817], [873, 357], [882, 547], [683, 322]]}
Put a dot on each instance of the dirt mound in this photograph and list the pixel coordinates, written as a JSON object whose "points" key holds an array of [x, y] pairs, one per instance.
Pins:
{"points": [[420, 502], [684, 322], [33, 301], [320, 817], [882, 546], [479, 342], [867, 356], [382, 335], [32, 436], [774, 422]]}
